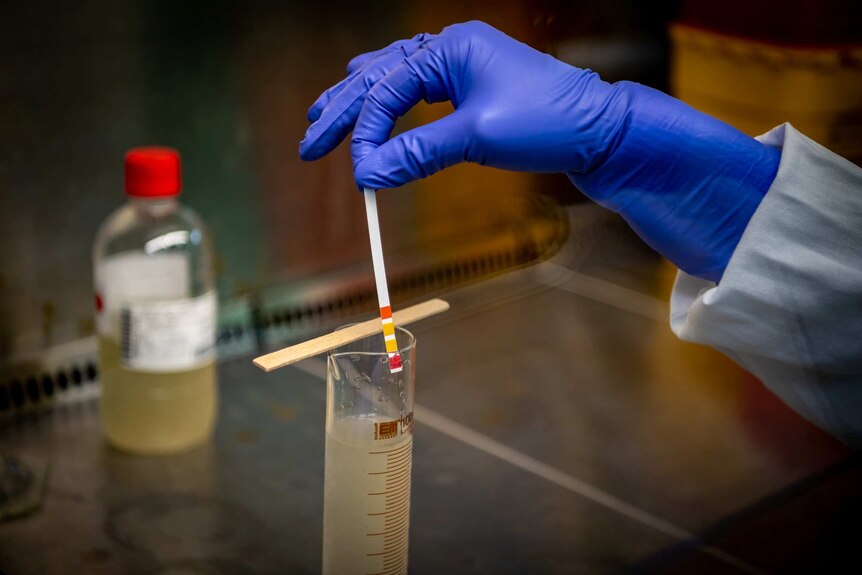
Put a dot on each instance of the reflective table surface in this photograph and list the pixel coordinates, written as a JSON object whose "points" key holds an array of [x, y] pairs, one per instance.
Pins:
{"points": [[560, 428]]}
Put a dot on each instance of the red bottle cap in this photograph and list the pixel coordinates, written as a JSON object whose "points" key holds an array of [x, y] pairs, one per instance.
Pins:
{"points": [[153, 172]]}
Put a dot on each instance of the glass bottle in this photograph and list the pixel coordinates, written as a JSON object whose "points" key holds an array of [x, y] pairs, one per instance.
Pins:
{"points": [[155, 313]]}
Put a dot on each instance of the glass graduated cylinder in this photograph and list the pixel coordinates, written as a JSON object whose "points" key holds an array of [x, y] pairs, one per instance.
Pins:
{"points": [[369, 450]]}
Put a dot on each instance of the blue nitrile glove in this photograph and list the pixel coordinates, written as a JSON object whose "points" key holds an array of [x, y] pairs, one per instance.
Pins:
{"points": [[687, 183]]}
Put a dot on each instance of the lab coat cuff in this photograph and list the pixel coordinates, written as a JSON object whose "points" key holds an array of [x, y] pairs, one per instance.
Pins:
{"points": [[790, 290], [692, 294], [787, 306]]}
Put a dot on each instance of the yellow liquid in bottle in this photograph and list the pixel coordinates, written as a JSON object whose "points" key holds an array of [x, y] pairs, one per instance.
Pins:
{"points": [[155, 413]]}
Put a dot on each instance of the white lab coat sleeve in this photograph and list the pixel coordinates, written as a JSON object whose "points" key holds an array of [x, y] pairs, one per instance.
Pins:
{"points": [[789, 305]]}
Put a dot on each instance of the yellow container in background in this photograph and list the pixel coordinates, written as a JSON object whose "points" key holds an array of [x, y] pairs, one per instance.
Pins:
{"points": [[755, 85]]}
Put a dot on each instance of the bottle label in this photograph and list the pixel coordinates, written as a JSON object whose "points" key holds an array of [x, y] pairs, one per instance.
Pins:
{"points": [[168, 335], [136, 276]]}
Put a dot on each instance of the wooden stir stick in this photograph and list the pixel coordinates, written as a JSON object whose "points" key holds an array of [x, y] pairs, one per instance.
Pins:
{"points": [[306, 349]]}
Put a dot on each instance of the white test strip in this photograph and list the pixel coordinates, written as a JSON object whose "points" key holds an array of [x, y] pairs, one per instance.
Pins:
{"points": [[380, 279]]}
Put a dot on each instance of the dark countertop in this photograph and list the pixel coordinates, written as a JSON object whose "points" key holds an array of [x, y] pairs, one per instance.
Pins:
{"points": [[560, 428]]}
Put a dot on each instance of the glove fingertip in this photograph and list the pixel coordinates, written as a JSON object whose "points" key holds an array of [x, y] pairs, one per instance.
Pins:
{"points": [[306, 153], [376, 171], [314, 113], [311, 149], [366, 175]]}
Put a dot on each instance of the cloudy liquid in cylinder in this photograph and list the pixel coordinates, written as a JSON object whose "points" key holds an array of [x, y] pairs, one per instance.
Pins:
{"points": [[366, 508], [154, 413]]}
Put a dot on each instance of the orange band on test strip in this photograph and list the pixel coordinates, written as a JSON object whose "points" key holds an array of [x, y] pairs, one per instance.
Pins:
{"points": [[386, 312]]}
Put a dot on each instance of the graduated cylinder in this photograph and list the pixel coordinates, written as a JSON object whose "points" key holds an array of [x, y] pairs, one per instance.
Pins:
{"points": [[369, 450]]}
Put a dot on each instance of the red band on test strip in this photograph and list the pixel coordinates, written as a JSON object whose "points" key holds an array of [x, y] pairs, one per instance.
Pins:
{"points": [[395, 362], [386, 312]]}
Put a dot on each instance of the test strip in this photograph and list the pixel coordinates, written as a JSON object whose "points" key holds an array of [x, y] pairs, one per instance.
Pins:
{"points": [[380, 279]]}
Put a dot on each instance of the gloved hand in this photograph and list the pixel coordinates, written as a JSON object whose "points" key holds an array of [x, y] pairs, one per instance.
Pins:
{"points": [[687, 183]]}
